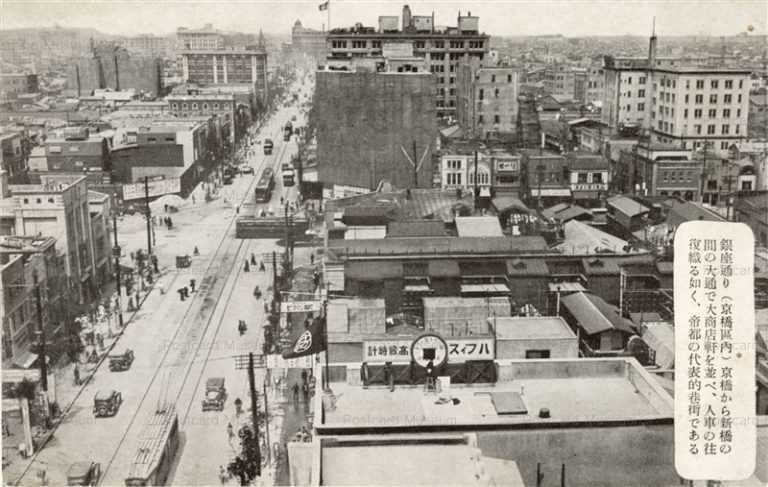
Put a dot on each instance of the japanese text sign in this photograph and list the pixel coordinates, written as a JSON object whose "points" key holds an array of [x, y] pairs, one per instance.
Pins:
{"points": [[399, 351], [715, 429]]}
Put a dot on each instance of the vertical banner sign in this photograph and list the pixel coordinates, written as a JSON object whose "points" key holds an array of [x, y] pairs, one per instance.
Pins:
{"points": [[715, 428]]}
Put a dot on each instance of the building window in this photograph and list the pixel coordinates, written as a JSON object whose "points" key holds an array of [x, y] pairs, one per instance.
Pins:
{"points": [[480, 119], [697, 113], [496, 119], [640, 80], [509, 78], [727, 98], [457, 44], [496, 93], [713, 98], [597, 178], [205, 106], [418, 45], [699, 84], [725, 129], [714, 84], [437, 44], [493, 78], [699, 99], [686, 98], [737, 129], [728, 84], [174, 106], [712, 113], [711, 129], [685, 113], [741, 83], [641, 93], [184, 106], [724, 145], [215, 106], [697, 128], [582, 177], [738, 113], [727, 113], [640, 107]]}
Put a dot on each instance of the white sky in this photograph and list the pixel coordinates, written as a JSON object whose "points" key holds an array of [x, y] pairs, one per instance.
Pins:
{"points": [[497, 17]]}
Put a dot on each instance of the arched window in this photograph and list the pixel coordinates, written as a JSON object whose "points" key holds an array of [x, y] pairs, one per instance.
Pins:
{"points": [[483, 176]]}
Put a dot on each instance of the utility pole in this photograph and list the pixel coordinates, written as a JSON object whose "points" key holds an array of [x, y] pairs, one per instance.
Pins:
{"points": [[116, 252], [41, 337], [415, 167], [149, 216], [476, 190], [540, 174], [268, 453], [325, 338], [254, 412], [276, 293]]}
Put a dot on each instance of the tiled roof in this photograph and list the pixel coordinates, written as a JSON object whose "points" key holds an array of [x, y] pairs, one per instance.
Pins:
{"points": [[596, 267], [436, 246], [527, 267], [686, 211], [626, 205], [416, 228]]}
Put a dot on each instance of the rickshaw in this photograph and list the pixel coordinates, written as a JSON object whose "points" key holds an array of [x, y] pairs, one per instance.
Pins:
{"points": [[215, 394], [121, 361], [106, 403], [84, 473]]}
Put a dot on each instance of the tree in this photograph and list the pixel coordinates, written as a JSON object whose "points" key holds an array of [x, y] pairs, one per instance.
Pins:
{"points": [[26, 389]]}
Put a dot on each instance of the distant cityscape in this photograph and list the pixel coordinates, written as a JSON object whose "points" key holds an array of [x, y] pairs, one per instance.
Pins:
{"points": [[407, 253]]}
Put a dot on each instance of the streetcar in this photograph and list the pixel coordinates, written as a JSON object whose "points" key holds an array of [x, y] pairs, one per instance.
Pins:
{"points": [[288, 131], [288, 174], [265, 185], [157, 449]]}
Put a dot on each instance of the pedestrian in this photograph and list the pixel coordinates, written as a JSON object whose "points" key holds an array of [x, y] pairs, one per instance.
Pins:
{"points": [[170, 223], [166, 208], [22, 450], [230, 431], [192, 283], [222, 475], [237, 209], [76, 373], [181, 293], [130, 304], [186, 291], [253, 259], [138, 299], [196, 252], [312, 258], [266, 308], [133, 256], [304, 376], [246, 267], [305, 390], [154, 263], [193, 199], [295, 392]]}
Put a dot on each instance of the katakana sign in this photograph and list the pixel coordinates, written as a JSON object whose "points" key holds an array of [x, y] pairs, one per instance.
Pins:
{"points": [[156, 188], [300, 306], [399, 351]]}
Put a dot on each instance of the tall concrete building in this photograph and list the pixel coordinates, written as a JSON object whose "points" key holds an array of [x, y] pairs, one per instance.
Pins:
{"points": [[309, 42], [675, 102], [205, 38], [373, 127], [443, 48], [486, 99], [227, 66], [148, 45], [111, 66]]}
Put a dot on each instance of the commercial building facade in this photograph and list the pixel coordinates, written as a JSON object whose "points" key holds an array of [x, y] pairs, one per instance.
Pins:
{"points": [[226, 66], [309, 42], [486, 99], [443, 50]]}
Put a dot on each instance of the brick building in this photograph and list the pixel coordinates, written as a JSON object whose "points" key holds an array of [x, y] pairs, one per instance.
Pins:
{"points": [[486, 99]]}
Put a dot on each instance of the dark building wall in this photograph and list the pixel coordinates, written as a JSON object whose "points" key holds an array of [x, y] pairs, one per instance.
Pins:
{"points": [[365, 120], [101, 71], [605, 286], [529, 290], [164, 155]]}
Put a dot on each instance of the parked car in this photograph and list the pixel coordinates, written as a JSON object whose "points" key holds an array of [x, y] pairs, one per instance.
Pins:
{"points": [[215, 394], [121, 361], [247, 170], [84, 473], [107, 403]]}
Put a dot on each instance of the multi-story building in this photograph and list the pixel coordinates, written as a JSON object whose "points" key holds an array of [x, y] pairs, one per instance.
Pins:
{"points": [[22, 260], [677, 103], [227, 66], [394, 113], [14, 153], [14, 84], [111, 66], [220, 105], [78, 151], [653, 169], [148, 45], [496, 169], [751, 208], [206, 38], [561, 82], [443, 49], [309, 42], [486, 99], [57, 207], [544, 179], [589, 175], [595, 85]]}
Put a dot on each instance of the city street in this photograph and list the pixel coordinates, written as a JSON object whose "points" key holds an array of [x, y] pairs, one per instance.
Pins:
{"points": [[179, 344]]}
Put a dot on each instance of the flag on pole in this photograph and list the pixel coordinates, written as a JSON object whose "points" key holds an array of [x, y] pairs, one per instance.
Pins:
{"points": [[309, 342], [323, 6]]}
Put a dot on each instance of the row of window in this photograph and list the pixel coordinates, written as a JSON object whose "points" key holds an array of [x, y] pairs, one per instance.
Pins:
{"points": [[675, 176], [725, 129], [454, 178], [39, 201], [711, 113], [185, 106], [362, 44], [496, 119]]}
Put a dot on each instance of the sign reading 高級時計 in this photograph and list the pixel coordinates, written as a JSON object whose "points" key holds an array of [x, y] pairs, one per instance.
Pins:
{"points": [[715, 429], [399, 350]]}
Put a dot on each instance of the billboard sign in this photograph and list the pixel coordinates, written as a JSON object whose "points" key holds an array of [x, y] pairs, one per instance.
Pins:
{"points": [[159, 187], [399, 351]]}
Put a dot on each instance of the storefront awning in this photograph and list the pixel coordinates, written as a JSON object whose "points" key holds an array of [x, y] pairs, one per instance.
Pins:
{"points": [[551, 192], [485, 288]]}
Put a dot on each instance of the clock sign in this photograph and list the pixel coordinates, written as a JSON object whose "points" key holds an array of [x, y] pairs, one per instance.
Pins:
{"points": [[429, 347]]}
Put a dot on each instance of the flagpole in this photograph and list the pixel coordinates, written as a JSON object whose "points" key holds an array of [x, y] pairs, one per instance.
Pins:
{"points": [[329, 15]]}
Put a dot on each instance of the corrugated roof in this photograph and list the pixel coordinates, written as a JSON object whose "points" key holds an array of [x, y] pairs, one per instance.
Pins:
{"points": [[437, 245], [594, 314], [581, 238], [525, 328], [508, 202], [626, 205]]}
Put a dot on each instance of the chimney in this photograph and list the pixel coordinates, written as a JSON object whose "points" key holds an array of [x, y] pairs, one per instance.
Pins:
{"points": [[652, 46], [406, 17]]}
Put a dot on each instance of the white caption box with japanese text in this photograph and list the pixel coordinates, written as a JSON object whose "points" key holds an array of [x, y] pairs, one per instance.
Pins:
{"points": [[715, 423]]}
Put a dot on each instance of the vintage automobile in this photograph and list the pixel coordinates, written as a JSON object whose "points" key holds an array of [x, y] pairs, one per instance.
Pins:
{"points": [[215, 394], [121, 361], [106, 403], [247, 170], [84, 473]]}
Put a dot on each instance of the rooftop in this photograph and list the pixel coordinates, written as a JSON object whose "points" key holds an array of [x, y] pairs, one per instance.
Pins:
{"points": [[533, 327], [24, 245], [478, 226], [626, 205], [584, 239], [594, 314], [49, 183], [567, 387], [685, 211]]}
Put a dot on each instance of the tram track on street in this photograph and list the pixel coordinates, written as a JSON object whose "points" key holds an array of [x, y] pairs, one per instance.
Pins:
{"points": [[213, 272]]}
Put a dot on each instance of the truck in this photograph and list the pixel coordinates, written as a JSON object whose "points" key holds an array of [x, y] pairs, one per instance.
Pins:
{"points": [[288, 131], [268, 146]]}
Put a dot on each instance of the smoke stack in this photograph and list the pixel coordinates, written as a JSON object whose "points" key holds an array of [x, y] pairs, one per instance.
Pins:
{"points": [[406, 17], [652, 46]]}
